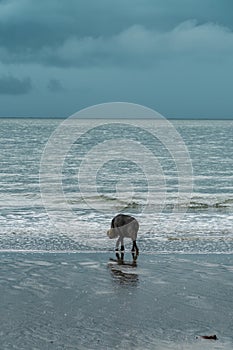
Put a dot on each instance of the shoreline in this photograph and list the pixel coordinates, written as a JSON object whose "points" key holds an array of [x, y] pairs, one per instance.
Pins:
{"points": [[55, 251]]}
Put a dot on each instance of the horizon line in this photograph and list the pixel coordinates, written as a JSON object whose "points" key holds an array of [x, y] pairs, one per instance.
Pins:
{"points": [[169, 118]]}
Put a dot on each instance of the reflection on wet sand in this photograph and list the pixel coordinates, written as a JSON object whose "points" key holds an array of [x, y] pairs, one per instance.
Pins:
{"points": [[122, 270]]}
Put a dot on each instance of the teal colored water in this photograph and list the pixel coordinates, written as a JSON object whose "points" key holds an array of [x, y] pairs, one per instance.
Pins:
{"points": [[27, 224]]}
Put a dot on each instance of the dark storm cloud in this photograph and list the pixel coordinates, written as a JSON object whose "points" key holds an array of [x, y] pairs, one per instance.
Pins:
{"points": [[10, 85], [90, 32], [55, 85], [174, 55], [136, 46]]}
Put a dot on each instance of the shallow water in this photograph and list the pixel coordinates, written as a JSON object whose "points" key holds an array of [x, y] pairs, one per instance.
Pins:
{"points": [[85, 301]]}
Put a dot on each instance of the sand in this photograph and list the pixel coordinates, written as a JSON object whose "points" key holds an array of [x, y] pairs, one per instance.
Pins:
{"points": [[85, 301]]}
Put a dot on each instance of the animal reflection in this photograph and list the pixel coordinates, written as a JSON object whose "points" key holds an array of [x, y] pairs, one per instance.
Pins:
{"points": [[122, 270]]}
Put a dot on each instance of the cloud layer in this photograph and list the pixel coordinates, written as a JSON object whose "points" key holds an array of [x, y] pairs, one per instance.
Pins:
{"points": [[96, 48], [87, 32], [10, 85], [135, 46]]}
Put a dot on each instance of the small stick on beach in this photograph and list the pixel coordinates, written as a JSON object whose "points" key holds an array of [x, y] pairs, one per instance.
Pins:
{"points": [[210, 337]]}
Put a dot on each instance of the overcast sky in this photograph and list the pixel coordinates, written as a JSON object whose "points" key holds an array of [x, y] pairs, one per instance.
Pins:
{"points": [[59, 56]]}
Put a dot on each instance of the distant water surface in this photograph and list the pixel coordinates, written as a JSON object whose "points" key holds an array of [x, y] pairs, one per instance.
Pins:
{"points": [[206, 226]]}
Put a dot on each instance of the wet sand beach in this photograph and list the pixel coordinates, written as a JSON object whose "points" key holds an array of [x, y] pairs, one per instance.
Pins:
{"points": [[85, 301]]}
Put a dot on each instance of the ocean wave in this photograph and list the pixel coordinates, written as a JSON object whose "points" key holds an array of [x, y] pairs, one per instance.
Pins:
{"points": [[195, 203], [221, 204]]}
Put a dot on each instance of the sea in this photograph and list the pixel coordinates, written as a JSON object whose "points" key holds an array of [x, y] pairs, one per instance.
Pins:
{"points": [[61, 285], [37, 215]]}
